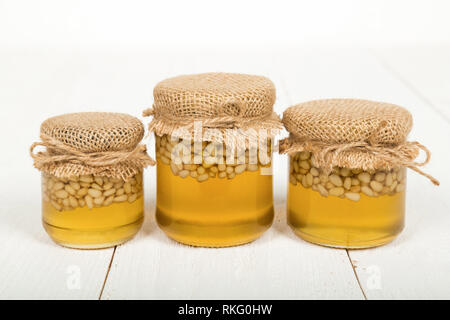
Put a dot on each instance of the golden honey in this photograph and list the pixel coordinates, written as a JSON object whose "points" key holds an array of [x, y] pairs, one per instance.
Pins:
{"points": [[346, 208], [211, 204], [96, 213], [344, 223], [214, 213]]}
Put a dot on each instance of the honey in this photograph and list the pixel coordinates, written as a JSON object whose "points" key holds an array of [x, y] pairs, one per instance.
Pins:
{"points": [[90, 212], [211, 204], [345, 223], [214, 213], [345, 208], [103, 227]]}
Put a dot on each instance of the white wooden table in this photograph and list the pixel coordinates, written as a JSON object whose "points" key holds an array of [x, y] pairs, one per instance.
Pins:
{"points": [[37, 84]]}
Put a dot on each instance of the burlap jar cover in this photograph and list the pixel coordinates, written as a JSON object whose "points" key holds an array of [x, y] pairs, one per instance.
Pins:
{"points": [[352, 133], [102, 144], [222, 101]]}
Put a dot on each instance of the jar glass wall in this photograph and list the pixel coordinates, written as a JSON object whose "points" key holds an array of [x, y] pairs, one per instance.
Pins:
{"points": [[211, 204], [347, 208], [90, 212]]}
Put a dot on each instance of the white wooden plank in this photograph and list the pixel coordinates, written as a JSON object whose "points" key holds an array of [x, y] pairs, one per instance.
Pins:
{"points": [[34, 86], [424, 70], [416, 264], [276, 266], [31, 265]]}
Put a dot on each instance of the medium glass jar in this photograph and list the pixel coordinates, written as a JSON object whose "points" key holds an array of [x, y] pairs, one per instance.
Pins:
{"points": [[347, 179], [211, 204], [346, 208], [88, 212]]}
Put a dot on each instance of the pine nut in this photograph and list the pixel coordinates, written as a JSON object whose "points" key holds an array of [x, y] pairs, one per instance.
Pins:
{"points": [[69, 189], [347, 183], [336, 191], [132, 197], [127, 187], [380, 176], [352, 196], [108, 186], [184, 173], [98, 181], [89, 201], [94, 193], [202, 177], [109, 192], [367, 191], [336, 180], [322, 190], [61, 194], [121, 198], [376, 186], [364, 177], [314, 172], [75, 185], [240, 168]]}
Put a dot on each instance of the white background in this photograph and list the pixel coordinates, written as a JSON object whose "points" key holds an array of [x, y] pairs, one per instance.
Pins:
{"points": [[234, 24], [68, 56]]}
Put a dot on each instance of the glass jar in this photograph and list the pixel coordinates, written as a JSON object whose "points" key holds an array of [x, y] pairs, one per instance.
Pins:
{"points": [[92, 168], [88, 212], [213, 203], [347, 208]]}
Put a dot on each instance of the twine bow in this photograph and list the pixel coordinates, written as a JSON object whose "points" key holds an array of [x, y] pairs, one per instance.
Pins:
{"points": [[223, 120], [326, 155], [58, 152]]}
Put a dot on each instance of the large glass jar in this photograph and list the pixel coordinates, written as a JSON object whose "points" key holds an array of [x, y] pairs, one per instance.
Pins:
{"points": [[89, 212], [216, 193], [346, 208], [211, 204]]}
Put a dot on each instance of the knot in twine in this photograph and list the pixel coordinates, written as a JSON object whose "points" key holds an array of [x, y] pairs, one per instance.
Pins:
{"points": [[223, 120], [58, 152], [327, 154]]}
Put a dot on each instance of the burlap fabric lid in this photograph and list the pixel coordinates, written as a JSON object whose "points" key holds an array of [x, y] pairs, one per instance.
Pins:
{"points": [[352, 133], [104, 144], [218, 100]]}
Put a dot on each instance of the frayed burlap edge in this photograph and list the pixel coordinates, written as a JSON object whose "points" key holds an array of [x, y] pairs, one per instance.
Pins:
{"points": [[64, 161], [362, 155], [237, 127]]}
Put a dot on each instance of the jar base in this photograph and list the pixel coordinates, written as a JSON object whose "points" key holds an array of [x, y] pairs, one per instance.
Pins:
{"points": [[365, 244], [213, 236], [92, 239], [206, 244]]}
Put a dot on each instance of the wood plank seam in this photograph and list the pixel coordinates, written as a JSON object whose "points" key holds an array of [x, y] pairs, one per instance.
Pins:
{"points": [[107, 273], [356, 274]]}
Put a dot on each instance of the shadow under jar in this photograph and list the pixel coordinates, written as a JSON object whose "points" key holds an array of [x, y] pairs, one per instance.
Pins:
{"points": [[213, 194], [332, 200], [92, 178]]}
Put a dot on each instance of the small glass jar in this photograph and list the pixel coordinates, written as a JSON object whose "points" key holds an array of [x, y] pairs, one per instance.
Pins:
{"points": [[346, 208], [211, 204], [92, 178], [91, 212]]}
